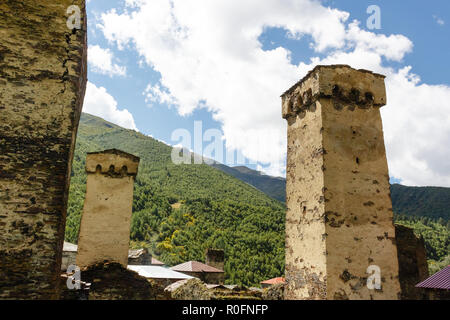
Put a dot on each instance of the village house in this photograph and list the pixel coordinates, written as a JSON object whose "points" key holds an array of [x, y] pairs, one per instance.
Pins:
{"points": [[135, 256], [438, 285], [207, 274], [161, 275], [271, 282]]}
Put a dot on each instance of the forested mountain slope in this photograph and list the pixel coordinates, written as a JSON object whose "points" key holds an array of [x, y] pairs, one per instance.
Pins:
{"points": [[180, 210], [431, 202]]}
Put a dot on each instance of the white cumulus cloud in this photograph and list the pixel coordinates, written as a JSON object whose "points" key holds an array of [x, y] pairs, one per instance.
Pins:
{"points": [[209, 56], [417, 130], [439, 20], [101, 61], [154, 93], [98, 102], [416, 121]]}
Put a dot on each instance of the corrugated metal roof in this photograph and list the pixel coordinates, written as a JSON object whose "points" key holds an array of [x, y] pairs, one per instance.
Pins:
{"points": [[274, 281], [70, 247], [195, 266], [157, 262], [157, 272], [215, 286], [439, 280]]}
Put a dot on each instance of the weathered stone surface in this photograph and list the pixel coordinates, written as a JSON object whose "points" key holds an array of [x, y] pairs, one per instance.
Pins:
{"points": [[274, 292], [105, 222], [195, 289], [192, 289], [237, 293], [42, 85], [339, 210], [139, 257], [412, 260], [437, 294]]}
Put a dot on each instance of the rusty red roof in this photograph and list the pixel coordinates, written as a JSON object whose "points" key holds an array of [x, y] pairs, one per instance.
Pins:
{"points": [[439, 280], [274, 281], [195, 266]]}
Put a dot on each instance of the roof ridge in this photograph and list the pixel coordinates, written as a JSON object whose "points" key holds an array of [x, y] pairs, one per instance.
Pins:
{"points": [[196, 266]]}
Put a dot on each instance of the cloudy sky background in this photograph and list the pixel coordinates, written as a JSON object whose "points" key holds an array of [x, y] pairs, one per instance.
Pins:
{"points": [[159, 65]]}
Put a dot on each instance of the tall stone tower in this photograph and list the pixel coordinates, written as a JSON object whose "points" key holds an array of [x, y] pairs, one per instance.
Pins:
{"points": [[42, 85], [105, 223], [339, 210]]}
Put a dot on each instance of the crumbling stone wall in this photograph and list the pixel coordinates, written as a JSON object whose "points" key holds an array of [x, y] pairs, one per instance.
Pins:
{"points": [[140, 257], [412, 260], [195, 289], [339, 210], [238, 293], [42, 85], [274, 292], [106, 219], [437, 294], [112, 281], [192, 289]]}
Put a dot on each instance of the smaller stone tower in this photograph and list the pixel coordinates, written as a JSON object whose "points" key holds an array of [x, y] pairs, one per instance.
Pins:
{"points": [[105, 223], [215, 258]]}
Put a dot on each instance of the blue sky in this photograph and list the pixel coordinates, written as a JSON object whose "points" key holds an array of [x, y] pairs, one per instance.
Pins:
{"points": [[219, 64]]}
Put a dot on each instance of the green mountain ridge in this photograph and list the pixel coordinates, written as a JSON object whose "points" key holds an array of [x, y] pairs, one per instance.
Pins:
{"points": [[180, 210], [431, 202], [274, 187]]}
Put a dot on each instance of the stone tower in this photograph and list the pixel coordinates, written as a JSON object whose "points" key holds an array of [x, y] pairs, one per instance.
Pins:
{"points": [[105, 223], [215, 258], [339, 209], [42, 85], [412, 263]]}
